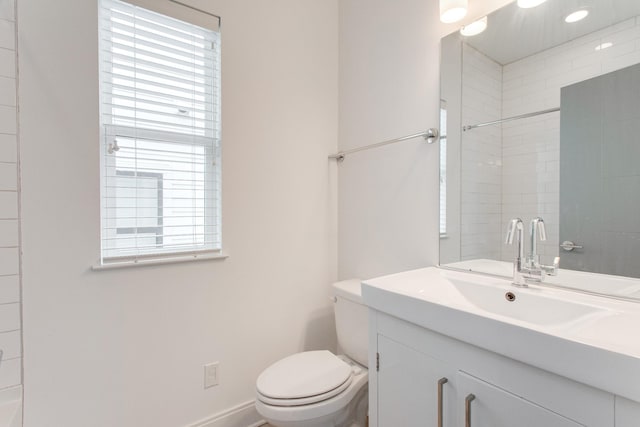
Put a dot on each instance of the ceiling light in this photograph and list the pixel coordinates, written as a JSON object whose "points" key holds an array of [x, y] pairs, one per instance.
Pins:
{"points": [[527, 4], [604, 46], [576, 16], [474, 28], [452, 10]]}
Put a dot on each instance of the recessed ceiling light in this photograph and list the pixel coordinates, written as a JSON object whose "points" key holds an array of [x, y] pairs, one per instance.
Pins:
{"points": [[604, 46], [576, 16], [528, 4], [474, 28]]}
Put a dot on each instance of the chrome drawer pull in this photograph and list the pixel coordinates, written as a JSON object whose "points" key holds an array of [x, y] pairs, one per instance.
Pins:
{"points": [[467, 409], [441, 382]]}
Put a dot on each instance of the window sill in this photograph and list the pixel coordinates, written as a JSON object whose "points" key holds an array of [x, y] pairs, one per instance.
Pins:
{"points": [[144, 262]]}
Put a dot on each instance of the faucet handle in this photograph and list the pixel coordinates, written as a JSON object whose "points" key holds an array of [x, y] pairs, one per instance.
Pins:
{"points": [[513, 225], [538, 223], [541, 230], [552, 270]]}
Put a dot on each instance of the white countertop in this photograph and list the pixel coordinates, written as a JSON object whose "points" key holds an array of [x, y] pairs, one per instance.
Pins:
{"points": [[600, 349]]}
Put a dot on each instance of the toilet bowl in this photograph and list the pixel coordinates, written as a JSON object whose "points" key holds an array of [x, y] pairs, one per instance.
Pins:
{"points": [[313, 389], [318, 388]]}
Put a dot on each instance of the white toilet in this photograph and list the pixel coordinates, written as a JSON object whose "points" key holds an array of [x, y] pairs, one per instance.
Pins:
{"points": [[318, 388]]}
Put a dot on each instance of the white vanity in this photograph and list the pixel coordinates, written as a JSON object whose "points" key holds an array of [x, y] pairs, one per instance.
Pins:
{"points": [[462, 349]]}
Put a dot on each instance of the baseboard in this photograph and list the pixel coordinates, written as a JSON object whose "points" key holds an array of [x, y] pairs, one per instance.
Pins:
{"points": [[243, 415]]}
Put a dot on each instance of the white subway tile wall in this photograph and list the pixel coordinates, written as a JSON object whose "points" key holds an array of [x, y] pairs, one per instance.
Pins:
{"points": [[513, 170], [10, 326]]}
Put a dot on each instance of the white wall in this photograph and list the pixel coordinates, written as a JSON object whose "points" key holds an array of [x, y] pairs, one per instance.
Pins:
{"points": [[389, 87], [10, 366], [127, 347]]}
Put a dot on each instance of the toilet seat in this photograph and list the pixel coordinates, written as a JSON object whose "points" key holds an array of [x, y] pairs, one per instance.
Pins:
{"points": [[301, 401], [303, 379]]}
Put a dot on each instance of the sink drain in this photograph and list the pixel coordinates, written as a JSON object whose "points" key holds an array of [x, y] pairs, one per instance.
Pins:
{"points": [[510, 296]]}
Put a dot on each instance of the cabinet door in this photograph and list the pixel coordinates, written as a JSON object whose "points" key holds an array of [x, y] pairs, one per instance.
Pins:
{"points": [[408, 389], [627, 413], [495, 407]]}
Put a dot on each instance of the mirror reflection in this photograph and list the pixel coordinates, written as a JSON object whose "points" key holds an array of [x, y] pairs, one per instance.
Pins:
{"points": [[541, 113]]}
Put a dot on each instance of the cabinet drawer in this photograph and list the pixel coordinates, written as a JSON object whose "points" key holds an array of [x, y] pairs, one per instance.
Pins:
{"points": [[491, 406]]}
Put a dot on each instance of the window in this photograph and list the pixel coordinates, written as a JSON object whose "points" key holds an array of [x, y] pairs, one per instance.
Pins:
{"points": [[160, 134]]}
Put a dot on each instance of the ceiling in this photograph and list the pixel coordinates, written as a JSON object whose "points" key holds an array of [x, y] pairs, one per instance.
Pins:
{"points": [[514, 33]]}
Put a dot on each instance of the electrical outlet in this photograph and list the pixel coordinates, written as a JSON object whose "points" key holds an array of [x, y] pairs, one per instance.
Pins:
{"points": [[211, 374]]}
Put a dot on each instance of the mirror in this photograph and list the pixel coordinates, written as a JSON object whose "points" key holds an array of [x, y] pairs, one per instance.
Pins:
{"points": [[541, 118]]}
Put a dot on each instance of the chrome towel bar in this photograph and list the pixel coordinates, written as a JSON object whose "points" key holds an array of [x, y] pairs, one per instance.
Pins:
{"points": [[508, 119], [430, 135]]}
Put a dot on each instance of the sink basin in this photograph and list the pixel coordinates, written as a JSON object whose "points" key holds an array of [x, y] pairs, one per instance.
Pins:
{"points": [[527, 305], [595, 283]]}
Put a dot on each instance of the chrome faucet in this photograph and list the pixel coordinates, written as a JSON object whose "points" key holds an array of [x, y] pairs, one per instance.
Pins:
{"points": [[515, 229], [537, 227], [533, 262], [529, 269], [522, 272]]}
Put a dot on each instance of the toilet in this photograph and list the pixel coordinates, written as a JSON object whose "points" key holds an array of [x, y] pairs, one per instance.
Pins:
{"points": [[318, 388]]}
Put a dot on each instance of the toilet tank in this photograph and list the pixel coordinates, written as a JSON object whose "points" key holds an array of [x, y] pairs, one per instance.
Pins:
{"points": [[352, 320]]}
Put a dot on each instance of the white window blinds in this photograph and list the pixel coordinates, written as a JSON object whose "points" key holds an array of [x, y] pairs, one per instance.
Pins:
{"points": [[160, 117]]}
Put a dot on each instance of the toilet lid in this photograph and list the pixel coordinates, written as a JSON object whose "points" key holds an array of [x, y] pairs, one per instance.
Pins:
{"points": [[303, 375]]}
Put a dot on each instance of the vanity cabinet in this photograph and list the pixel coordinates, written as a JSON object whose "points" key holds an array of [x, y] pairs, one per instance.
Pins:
{"points": [[407, 387], [413, 388]]}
